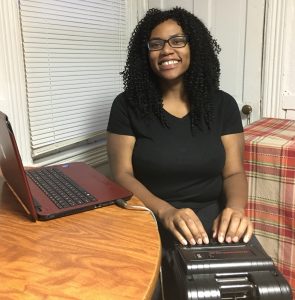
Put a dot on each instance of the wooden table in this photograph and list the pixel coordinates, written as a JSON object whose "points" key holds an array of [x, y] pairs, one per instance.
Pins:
{"points": [[107, 253]]}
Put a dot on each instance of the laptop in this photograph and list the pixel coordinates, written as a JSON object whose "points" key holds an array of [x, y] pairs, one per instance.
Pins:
{"points": [[55, 191]]}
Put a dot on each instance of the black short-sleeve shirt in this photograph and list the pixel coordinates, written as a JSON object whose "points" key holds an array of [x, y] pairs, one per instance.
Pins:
{"points": [[174, 163]]}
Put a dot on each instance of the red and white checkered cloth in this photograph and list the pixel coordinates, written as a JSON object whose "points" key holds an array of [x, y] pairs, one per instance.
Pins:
{"points": [[270, 169]]}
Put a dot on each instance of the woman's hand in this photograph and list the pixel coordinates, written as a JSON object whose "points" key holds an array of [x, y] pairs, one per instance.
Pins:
{"points": [[185, 225], [231, 225]]}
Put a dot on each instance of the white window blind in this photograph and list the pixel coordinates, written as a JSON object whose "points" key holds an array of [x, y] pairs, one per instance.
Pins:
{"points": [[73, 52]]}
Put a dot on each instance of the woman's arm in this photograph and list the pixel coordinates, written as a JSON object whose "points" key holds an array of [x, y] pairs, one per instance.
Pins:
{"points": [[120, 149], [183, 223], [232, 224]]}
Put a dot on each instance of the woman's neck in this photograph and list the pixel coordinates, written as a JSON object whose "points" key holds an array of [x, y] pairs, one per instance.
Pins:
{"points": [[175, 100], [173, 90]]}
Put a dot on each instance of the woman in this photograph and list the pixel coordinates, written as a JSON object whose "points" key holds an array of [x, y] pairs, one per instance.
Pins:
{"points": [[174, 139]]}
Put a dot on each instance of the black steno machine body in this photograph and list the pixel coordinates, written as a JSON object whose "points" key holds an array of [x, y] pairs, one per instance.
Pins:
{"points": [[228, 271]]}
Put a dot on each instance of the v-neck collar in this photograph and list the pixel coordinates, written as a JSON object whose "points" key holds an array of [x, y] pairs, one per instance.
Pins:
{"points": [[175, 117]]}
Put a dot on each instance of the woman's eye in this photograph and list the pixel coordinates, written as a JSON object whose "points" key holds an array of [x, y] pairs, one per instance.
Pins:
{"points": [[155, 43], [177, 41]]}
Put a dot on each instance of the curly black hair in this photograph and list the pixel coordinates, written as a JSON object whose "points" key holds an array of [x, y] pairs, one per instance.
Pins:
{"points": [[141, 86]]}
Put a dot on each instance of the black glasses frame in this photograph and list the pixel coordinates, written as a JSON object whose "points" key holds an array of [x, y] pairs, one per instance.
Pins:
{"points": [[168, 41]]}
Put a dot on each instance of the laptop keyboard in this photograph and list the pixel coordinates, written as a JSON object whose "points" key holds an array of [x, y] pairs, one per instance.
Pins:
{"points": [[61, 189]]}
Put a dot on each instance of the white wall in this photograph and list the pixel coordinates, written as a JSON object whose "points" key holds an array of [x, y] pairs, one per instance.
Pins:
{"points": [[279, 62], [288, 72], [12, 77]]}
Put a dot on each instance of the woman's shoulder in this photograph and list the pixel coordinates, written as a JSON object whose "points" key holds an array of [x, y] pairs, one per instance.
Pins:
{"points": [[223, 101], [120, 99], [223, 97], [227, 113], [119, 118], [120, 103]]}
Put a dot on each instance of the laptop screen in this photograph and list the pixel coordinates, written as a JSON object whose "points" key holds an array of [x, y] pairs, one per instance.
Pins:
{"points": [[11, 166]]}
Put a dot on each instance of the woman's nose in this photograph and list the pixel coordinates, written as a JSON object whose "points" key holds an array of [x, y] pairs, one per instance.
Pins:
{"points": [[167, 48]]}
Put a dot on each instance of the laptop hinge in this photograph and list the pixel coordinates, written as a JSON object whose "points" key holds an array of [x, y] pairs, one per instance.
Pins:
{"points": [[37, 205]]}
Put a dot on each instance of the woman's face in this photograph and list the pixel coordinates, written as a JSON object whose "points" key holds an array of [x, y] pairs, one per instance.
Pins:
{"points": [[169, 63]]}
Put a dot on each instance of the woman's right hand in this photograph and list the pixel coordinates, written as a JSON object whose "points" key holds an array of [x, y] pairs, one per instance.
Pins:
{"points": [[185, 225]]}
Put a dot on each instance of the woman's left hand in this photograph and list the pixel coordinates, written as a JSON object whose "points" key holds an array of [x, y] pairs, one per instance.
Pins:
{"points": [[231, 225]]}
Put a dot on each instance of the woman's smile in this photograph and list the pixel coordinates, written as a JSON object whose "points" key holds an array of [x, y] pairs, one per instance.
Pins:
{"points": [[169, 64]]}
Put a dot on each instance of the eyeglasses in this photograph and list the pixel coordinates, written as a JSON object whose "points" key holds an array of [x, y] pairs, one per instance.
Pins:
{"points": [[177, 41]]}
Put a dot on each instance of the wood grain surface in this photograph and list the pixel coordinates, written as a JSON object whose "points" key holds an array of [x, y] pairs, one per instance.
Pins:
{"points": [[107, 253]]}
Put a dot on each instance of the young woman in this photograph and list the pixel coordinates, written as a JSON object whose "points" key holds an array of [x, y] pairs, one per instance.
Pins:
{"points": [[174, 139]]}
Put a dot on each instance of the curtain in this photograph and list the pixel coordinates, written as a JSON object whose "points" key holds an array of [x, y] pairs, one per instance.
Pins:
{"points": [[73, 53]]}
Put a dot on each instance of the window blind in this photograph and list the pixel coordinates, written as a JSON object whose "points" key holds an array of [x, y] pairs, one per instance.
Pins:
{"points": [[73, 53]]}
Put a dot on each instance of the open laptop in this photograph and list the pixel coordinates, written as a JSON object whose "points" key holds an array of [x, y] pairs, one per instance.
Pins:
{"points": [[82, 187]]}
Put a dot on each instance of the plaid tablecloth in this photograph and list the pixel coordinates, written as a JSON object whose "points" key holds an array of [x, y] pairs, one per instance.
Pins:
{"points": [[270, 168]]}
